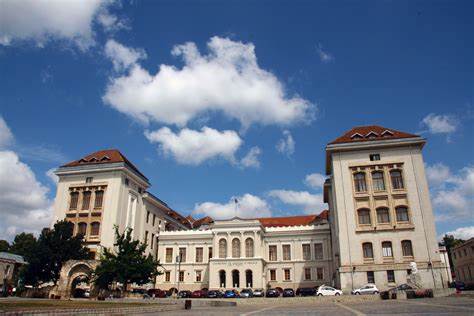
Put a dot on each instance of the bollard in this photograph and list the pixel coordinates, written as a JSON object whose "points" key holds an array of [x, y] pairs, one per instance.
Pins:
{"points": [[187, 304]]}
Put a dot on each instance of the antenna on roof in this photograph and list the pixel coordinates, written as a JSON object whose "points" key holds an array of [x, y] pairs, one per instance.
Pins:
{"points": [[236, 204]]}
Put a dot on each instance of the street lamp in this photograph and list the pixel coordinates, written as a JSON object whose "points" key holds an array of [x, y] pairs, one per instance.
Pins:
{"points": [[178, 260]]}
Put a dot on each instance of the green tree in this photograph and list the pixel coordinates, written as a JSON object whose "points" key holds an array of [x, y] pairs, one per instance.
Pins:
{"points": [[4, 245], [23, 244], [450, 242], [126, 264]]}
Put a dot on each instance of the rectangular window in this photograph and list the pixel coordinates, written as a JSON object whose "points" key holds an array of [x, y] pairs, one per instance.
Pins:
{"points": [[198, 276], [287, 274], [74, 200], [199, 252], [154, 219], [273, 276], [146, 237], [272, 253], [99, 197], [152, 241], [210, 252], [378, 181], [167, 276], [86, 200], [307, 273], [286, 252], [320, 273], [306, 252], [383, 216], [390, 276], [364, 216], [181, 276], [89, 180], [169, 255], [387, 249], [370, 277], [374, 157], [147, 216], [182, 254], [318, 251]]}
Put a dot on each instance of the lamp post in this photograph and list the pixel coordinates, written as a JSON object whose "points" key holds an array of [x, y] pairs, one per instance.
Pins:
{"points": [[178, 260]]}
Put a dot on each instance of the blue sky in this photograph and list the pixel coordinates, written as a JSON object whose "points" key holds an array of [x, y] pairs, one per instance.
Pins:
{"points": [[93, 81]]}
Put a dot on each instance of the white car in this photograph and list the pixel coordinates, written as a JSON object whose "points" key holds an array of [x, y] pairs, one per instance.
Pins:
{"points": [[325, 290], [366, 289]]}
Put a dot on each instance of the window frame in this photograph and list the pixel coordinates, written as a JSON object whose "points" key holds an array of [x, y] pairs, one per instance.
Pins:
{"points": [[170, 254], [360, 184], [360, 216], [275, 253], [397, 208], [317, 252], [306, 254], [222, 248], [404, 244], [386, 210], [365, 246], [287, 253], [249, 247], [378, 188], [199, 251], [386, 254], [236, 248], [94, 230], [306, 278], [396, 184]]}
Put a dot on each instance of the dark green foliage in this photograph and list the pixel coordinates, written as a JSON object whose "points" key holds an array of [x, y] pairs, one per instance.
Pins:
{"points": [[4, 245], [23, 244], [450, 242]]}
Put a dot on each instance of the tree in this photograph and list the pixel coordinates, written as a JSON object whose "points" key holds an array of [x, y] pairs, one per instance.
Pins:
{"points": [[23, 244], [4, 245], [126, 264], [450, 242]]}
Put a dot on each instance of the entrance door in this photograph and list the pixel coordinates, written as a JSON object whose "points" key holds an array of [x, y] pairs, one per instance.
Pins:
{"points": [[236, 278], [222, 278], [249, 278]]}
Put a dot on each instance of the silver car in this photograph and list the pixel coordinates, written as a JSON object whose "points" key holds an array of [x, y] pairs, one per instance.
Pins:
{"points": [[366, 289]]}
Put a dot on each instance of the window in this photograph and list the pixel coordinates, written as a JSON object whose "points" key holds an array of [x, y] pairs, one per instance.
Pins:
{"points": [[286, 252], [359, 182], [318, 251], [89, 180], [287, 274], [147, 216], [154, 219], [368, 250], [235, 248], [319, 273], [169, 255], [81, 229], [99, 197], [222, 248], [86, 200], [364, 216], [306, 252], [127, 182], [273, 275], [377, 181], [199, 256], [181, 276], [249, 252], [182, 254], [167, 276], [307, 273], [370, 277], [198, 275], [210, 252], [407, 248], [272, 253], [402, 214], [374, 157], [383, 215], [145, 239], [95, 227], [152, 240], [387, 249], [390, 276], [397, 180], [74, 199]]}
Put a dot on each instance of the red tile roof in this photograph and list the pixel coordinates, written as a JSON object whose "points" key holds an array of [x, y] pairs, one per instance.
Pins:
{"points": [[370, 132], [104, 157], [293, 220], [202, 221]]}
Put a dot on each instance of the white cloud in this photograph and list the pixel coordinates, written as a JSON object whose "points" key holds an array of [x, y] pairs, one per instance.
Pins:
{"points": [[110, 22], [192, 147], [6, 136], [247, 206], [24, 202], [251, 159], [315, 180], [440, 124], [286, 145], [325, 56], [52, 176], [461, 233], [43, 20], [437, 174], [227, 80], [121, 56], [311, 203]]}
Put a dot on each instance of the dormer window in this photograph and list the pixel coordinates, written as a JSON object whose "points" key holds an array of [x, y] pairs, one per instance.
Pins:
{"points": [[105, 158], [387, 133], [357, 136], [371, 135]]}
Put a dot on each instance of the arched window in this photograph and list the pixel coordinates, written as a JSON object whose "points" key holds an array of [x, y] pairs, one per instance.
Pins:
{"points": [[377, 181], [364, 216], [95, 227], [235, 248], [249, 247], [368, 250], [402, 214], [397, 179], [387, 249], [359, 182], [81, 229], [407, 248], [383, 215], [223, 248], [74, 200]]}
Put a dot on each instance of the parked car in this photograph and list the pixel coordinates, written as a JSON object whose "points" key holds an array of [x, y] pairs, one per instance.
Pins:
{"points": [[272, 293], [458, 285], [184, 294], [402, 287], [157, 293], [246, 293], [366, 289], [288, 293], [325, 290], [259, 293], [214, 294], [231, 294], [199, 294], [306, 291]]}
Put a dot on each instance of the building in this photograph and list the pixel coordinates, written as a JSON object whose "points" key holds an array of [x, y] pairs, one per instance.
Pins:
{"points": [[463, 262], [9, 265], [379, 227]]}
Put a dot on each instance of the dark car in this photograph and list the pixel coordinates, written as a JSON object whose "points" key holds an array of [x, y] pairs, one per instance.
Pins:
{"points": [[184, 294], [402, 287], [458, 285], [214, 294], [306, 291], [231, 294], [288, 293], [259, 293], [199, 294], [246, 293], [272, 293], [157, 293]]}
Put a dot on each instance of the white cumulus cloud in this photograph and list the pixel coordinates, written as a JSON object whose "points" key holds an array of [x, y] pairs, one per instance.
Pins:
{"points": [[191, 147], [121, 56], [6, 136], [440, 124], [286, 145], [245, 206], [464, 233], [227, 80], [311, 203], [315, 180], [251, 159]]}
